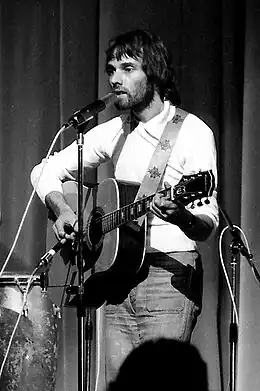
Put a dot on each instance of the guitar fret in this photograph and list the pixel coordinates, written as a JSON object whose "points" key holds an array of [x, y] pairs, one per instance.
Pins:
{"points": [[126, 217], [129, 214], [117, 218], [112, 221], [143, 206], [105, 225]]}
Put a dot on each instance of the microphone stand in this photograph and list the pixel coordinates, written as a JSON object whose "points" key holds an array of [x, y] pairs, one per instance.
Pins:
{"points": [[83, 315], [236, 247]]}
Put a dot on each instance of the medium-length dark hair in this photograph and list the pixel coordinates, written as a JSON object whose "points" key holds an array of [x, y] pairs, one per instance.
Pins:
{"points": [[156, 60]]}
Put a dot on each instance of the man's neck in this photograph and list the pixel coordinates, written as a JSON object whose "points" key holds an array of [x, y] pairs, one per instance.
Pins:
{"points": [[155, 108]]}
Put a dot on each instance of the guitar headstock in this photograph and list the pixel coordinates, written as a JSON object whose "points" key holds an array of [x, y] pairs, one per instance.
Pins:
{"points": [[194, 187]]}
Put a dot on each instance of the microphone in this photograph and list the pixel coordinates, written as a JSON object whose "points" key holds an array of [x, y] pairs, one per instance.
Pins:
{"points": [[47, 257], [46, 263], [88, 112]]}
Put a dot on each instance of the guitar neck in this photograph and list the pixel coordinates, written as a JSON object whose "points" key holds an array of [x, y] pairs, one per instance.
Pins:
{"points": [[125, 214], [190, 188]]}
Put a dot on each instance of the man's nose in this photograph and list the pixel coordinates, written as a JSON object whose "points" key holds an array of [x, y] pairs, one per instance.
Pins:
{"points": [[116, 79]]}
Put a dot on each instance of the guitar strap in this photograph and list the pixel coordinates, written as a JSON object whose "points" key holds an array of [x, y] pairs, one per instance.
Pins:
{"points": [[162, 152]]}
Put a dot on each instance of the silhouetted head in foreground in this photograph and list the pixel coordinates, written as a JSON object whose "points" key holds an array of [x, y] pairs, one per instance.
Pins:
{"points": [[162, 364]]}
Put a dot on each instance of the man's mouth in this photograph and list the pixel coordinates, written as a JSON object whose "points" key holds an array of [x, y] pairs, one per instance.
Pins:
{"points": [[119, 92]]}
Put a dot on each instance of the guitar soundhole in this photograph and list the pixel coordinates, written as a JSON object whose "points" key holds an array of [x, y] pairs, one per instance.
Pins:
{"points": [[95, 232]]}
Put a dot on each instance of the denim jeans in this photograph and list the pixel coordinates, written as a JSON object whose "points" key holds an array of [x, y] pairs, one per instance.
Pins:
{"points": [[165, 303]]}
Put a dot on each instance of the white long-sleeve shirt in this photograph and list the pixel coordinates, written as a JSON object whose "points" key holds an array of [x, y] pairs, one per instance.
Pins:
{"points": [[131, 152]]}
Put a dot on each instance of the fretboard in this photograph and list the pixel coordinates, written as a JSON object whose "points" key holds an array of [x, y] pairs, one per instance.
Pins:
{"points": [[125, 214]]}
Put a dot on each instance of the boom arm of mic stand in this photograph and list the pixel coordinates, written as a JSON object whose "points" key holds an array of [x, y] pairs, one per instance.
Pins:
{"points": [[239, 245], [238, 242]]}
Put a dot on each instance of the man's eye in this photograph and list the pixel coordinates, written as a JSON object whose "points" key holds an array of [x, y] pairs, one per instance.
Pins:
{"points": [[109, 71], [128, 69]]}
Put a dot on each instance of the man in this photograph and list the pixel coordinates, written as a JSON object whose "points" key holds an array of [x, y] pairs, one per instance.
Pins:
{"points": [[165, 299]]}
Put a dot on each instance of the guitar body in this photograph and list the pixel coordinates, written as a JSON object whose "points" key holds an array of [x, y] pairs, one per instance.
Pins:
{"points": [[120, 250], [117, 254]]}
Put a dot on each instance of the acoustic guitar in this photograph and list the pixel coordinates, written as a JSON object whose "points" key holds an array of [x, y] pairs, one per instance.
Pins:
{"points": [[115, 227]]}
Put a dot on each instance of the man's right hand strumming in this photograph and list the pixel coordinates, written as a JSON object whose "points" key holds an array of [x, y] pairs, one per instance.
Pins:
{"points": [[66, 225]]}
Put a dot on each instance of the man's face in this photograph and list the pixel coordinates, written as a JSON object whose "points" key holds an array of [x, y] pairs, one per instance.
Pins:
{"points": [[129, 82]]}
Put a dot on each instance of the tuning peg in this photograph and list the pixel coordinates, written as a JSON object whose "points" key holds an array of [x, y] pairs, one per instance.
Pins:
{"points": [[200, 203], [207, 201]]}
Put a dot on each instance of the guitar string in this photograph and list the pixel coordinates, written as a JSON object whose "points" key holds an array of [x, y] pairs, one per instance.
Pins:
{"points": [[124, 214]]}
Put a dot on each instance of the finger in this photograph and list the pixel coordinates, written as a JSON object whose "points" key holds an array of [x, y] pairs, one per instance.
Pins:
{"points": [[163, 203], [63, 231], [71, 236], [63, 241], [58, 232], [159, 212], [71, 231], [153, 206], [76, 226]]}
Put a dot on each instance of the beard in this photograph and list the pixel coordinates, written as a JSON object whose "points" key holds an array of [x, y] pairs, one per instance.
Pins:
{"points": [[138, 101]]}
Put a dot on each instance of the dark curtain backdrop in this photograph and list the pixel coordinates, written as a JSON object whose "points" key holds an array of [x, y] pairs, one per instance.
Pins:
{"points": [[52, 63]]}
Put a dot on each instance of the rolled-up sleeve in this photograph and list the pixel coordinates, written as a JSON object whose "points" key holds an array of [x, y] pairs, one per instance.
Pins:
{"points": [[202, 156]]}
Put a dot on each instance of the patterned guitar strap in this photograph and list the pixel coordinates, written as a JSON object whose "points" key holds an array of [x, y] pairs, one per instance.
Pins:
{"points": [[162, 152]]}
